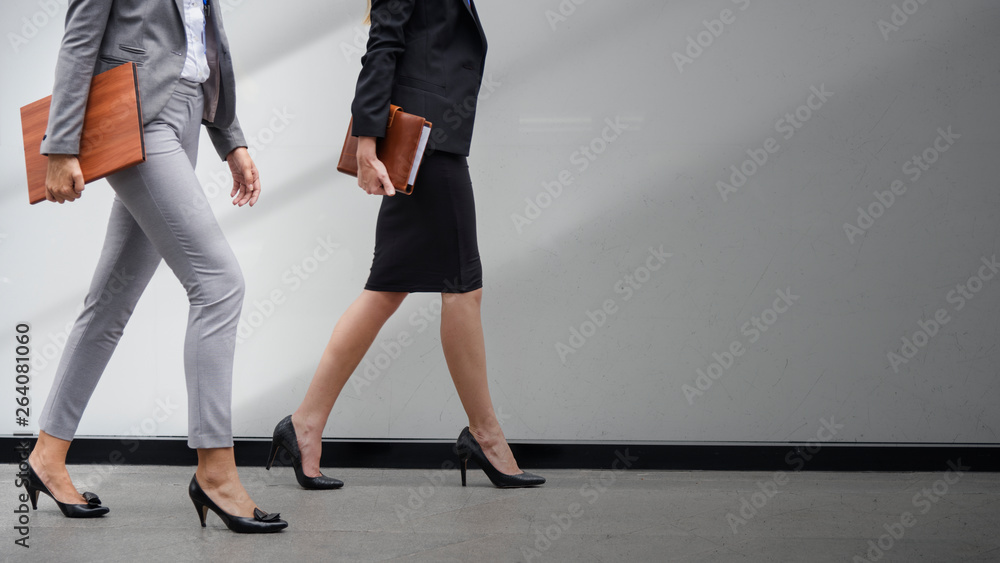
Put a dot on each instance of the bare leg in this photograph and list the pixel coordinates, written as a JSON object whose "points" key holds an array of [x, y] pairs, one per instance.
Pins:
{"points": [[48, 459], [351, 338], [218, 478], [465, 353], [216, 474]]}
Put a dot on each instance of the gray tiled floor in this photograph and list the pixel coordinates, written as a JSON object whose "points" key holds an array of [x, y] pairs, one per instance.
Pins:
{"points": [[384, 515]]}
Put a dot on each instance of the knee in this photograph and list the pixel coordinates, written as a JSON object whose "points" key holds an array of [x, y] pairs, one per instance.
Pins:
{"points": [[233, 279], [239, 285], [224, 286]]}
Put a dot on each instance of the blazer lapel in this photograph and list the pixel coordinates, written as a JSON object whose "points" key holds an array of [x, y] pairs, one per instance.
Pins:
{"points": [[471, 7]]}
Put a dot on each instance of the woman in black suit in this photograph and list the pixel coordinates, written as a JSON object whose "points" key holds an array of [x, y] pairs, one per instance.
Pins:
{"points": [[426, 57]]}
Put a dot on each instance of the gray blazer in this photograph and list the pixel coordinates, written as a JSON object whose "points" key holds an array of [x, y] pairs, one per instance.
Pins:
{"points": [[102, 34]]}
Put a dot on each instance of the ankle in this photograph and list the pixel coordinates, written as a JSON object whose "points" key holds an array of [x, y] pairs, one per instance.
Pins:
{"points": [[487, 433], [307, 424], [213, 478], [46, 463]]}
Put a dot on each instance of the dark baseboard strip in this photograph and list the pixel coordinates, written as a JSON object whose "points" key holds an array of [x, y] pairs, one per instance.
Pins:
{"points": [[634, 456]]}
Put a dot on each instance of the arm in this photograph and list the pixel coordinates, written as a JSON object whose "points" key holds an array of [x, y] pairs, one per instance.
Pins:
{"points": [[232, 147], [226, 139], [386, 41], [86, 21], [370, 109]]}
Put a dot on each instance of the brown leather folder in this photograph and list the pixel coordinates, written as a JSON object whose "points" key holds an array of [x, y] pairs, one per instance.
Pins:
{"points": [[401, 150], [112, 130]]}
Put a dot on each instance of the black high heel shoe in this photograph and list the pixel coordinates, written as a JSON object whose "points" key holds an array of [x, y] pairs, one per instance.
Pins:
{"points": [[92, 509], [261, 523], [284, 437], [468, 448]]}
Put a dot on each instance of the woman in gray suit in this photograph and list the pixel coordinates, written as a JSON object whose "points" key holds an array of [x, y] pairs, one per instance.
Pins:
{"points": [[160, 212]]}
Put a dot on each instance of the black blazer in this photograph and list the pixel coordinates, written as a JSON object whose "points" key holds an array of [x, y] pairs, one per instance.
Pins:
{"points": [[425, 56]]}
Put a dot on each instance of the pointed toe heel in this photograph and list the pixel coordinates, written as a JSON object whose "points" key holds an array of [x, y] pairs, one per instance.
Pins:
{"points": [[92, 509], [284, 438], [261, 523], [468, 448]]}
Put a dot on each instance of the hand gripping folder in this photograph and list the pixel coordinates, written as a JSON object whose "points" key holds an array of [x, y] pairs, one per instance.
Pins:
{"points": [[401, 150]]}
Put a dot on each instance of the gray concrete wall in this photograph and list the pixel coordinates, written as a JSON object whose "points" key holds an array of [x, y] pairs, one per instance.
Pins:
{"points": [[727, 221]]}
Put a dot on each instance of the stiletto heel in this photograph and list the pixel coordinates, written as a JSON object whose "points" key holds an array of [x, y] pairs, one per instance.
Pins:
{"points": [[33, 495], [273, 454], [202, 511], [261, 523], [92, 509], [468, 448], [284, 437]]}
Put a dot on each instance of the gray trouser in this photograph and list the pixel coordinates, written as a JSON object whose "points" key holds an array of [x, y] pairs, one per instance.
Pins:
{"points": [[160, 211]]}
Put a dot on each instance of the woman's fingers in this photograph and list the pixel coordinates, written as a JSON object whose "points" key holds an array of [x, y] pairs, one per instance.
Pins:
{"points": [[374, 180], [63, 179], [387, 187], [254, 190]]}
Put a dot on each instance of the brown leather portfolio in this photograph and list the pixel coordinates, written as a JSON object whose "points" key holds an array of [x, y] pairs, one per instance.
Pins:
{"points": [[401, 150], [112, 130]]}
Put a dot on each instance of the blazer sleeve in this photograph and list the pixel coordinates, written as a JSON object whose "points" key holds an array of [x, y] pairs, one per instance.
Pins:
{"points": [[86, 21], [225, 139], [386, 41]]}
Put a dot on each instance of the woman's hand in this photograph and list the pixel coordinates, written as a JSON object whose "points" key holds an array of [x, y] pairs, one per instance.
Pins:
{"points": [[372, 177], [63, 178], [246, 180]]}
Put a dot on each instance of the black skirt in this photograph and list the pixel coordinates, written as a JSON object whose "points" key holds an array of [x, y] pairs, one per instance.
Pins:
{"points": [[426, 242]]}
